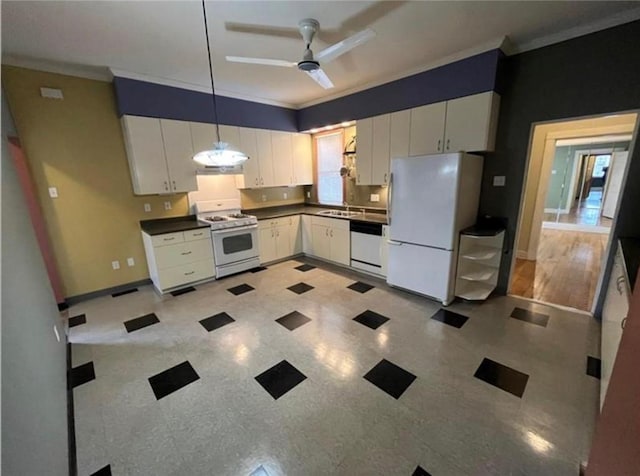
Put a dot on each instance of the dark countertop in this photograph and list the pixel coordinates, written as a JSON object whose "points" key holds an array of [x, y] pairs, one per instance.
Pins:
{"points": [[303, 209], [631, 253], [476, 230], [160, 226]]}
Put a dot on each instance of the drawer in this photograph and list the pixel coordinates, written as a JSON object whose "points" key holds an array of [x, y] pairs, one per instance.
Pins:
{"points": [[262, 224], [199, 234], [335, 223], [187, 273], [183, 253], [167, 239]]}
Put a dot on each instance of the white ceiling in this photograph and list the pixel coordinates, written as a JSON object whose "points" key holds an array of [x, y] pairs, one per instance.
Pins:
{"points": [[165, 39]]}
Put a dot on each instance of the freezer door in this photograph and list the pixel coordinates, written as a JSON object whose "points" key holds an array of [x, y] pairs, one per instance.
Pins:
{"points": [[423, 200], [420, 269]]}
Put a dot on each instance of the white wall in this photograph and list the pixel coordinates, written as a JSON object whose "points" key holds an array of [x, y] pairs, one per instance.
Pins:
{"points": [[34, 396]]}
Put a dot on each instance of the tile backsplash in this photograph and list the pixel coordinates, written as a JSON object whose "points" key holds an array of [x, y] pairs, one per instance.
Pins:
{"points": [[271, 197]]}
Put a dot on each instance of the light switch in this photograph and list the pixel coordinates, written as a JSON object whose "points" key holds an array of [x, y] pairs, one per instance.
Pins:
{"points": [[499, 180], [167, 205], [130, 262], [284, 195], [115, 264], [53, 192], [147, 207], [554, 171], [375, 197]]}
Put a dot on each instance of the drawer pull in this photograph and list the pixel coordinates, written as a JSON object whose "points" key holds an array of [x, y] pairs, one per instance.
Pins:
{"points": [[623, 323], [198, 234], [169, 239], [186, 253], [190, 272]]}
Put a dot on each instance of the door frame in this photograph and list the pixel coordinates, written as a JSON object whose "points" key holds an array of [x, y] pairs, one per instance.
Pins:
{"points": [[539, 202]]}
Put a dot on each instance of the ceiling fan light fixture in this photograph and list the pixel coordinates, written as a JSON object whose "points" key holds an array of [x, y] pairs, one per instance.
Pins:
{"points": [[222, 155], [308, 65]]}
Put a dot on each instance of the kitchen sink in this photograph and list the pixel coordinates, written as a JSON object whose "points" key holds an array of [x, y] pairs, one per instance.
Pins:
{"points": [[338, 213]]}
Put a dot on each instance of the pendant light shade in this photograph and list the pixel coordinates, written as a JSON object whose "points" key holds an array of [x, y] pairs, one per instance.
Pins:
{"points": [[222, 155]]}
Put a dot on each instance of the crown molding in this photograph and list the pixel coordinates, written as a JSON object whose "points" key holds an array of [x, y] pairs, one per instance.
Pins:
{"points": [[69, 69], [616, 19]]}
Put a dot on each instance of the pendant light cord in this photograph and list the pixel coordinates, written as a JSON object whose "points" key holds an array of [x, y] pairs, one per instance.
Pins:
{"points": [[213, 91]]}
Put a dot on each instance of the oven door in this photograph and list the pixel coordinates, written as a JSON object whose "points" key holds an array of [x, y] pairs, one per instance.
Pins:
{"points": [[235, 244]]}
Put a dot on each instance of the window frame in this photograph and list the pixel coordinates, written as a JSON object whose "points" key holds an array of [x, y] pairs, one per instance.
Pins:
{"points": [[316, 162]]}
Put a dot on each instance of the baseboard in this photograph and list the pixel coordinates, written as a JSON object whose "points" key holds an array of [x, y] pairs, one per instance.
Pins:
{"points": [[555, 210], [551, 225], [522, 254], [105, 292]]}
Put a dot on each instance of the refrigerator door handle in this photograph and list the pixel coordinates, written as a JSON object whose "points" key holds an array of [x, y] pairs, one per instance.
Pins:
{"points": [[394, 243], [390, 194]]}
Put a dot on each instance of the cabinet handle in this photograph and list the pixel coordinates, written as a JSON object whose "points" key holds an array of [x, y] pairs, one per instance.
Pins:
{"points": [[290, 222], [358, 178], [256, 180], [166, 186], [261, 181], [331, 233], [188, 273], [197, 234], [278, 233], [326, 232], [174, 184], [439, 142], [448, 141], [385, 178], [186, 253], [169, 239], [623, 322], [271, 233]]}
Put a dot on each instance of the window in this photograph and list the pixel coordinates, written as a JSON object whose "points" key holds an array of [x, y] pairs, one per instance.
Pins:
{"points": [[601, 162], [329, 162]]}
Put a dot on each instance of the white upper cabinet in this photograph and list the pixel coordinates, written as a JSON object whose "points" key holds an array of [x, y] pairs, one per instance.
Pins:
{"points": [[427, 129], [265, 157], [471, 123], [364, 151], [178, 149], [203, 135], [302, 164], [282, 158], [399, 133], [380, 152], [251, 168], [231, 135]]}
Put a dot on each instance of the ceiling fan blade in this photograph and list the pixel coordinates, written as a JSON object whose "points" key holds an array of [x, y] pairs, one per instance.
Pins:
{"points": [[321, 78], [340, 48], [263, 61]]}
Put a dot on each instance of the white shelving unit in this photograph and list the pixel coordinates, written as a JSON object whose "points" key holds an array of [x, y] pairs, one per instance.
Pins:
{"points": [[478, 264]]}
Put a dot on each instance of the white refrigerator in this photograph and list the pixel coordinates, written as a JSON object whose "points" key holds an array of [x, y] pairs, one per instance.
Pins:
{"points": [[431, 199]]}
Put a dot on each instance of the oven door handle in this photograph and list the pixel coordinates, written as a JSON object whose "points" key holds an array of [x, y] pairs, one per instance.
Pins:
{"points": [[232, 230]]}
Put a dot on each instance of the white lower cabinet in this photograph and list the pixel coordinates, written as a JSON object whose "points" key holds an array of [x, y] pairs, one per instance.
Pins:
{"points": [[307, 239], [279, 238], [180, 258], [331, 239]]}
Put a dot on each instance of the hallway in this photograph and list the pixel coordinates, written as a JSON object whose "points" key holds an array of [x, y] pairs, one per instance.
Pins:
{"points": [[587, 212], [566, 271]]}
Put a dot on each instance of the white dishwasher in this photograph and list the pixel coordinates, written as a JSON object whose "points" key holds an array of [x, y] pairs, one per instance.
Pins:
{"points": [[366, 239]]}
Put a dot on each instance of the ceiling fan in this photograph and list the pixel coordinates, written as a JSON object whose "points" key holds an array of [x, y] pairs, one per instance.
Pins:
{"points": [[310, 63]]}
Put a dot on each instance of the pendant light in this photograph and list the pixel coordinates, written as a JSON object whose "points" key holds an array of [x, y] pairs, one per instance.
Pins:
{"points": [[221, 155]]}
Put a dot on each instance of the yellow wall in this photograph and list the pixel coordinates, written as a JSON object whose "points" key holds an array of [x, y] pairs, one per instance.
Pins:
{"points": [[539, 168], [76, 145]]}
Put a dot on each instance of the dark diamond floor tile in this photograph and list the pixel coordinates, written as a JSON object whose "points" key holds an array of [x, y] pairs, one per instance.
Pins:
{"points": [[77, 320], [216, 322], [300, 288], [258, 269], [167, 382], [360, 287], [305, 267], [420, 471], [240, 289], [81, 374], [293, 320], [503, 377], [141, 322], [389, 377], [531, 317], [451, 318], [371, 319], [122, 293], [593, 367], [280, 378], [182, 291], [106, 471]]}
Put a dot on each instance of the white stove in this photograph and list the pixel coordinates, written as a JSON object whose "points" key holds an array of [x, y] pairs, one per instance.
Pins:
{"points": [[234, 235]]}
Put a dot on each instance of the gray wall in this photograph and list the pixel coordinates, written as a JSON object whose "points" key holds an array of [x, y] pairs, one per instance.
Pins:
{"points": [[34, 395], [594, 74]]}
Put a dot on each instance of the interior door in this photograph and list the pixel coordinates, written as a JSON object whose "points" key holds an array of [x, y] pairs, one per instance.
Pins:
{"points": [[615, 178], [420, 269], [178, 148]]}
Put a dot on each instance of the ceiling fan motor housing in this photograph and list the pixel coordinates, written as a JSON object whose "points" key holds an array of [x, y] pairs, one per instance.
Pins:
{"points": [[308, 65]]}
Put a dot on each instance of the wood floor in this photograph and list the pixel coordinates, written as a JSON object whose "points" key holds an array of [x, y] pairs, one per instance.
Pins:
{"points": [[587, 212], [566, 271]]}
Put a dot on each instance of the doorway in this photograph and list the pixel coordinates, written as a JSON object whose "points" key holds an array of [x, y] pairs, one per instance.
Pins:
{"points": [[575, 175]]}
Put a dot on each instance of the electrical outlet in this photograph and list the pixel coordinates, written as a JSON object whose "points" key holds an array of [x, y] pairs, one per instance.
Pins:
{"points": [[308, 194], [53, 192], [130, 262], [375, 197], [115, 264], [285, 195], [264, 198], [167, 205], [499, 180], [147, 207]]}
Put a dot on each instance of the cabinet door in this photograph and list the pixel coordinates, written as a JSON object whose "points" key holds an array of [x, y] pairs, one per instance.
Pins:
{"points": [[231, 135], [340, 246], [251, 168], [265, 157], [203, 136], [384, 250], [471, 123], [145, 152], [321, 241], [283, 241], [267, 245], [307, 238], [427, 129], [364, 150], [399, 131], [178, 149], [295, 234], [380, 153], [302, 162], [282, 158]]}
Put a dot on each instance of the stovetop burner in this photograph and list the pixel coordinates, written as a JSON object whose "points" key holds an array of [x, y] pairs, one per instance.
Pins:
{"points": [[216, 218], [238, 215]]}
